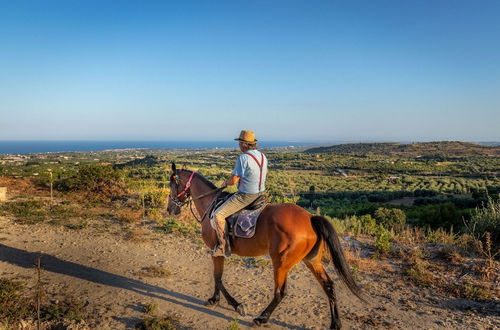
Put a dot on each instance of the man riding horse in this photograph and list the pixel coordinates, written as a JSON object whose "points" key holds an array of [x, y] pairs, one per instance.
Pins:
{"points": [[249, 174], [286, 232]]}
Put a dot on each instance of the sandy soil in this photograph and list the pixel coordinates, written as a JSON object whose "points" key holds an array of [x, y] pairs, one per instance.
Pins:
{"points": [[99, 265]]}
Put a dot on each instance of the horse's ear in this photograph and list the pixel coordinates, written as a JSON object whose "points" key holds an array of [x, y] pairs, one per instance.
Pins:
{"points": [[184, 167], [173, 167]]}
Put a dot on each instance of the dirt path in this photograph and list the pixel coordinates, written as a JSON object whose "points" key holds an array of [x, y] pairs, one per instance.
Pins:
{"points": [[97, 264]]}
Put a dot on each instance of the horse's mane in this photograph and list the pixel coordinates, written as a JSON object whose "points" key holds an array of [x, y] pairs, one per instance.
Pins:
{"points": [[210, 184]]}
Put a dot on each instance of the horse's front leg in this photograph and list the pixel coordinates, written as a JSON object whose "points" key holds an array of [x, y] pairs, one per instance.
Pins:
{"points": [[219, 286], [218, 270]]}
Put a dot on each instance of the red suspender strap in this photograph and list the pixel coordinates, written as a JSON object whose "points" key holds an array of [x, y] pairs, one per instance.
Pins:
{"points": [[260, 165]]}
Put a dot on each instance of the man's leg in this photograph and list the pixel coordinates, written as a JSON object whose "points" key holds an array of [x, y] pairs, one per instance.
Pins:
{"points": [[235, 203]]}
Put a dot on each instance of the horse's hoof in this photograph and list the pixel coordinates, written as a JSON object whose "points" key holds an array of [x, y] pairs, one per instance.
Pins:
{"points": [[240, 309], [257, 322], [212, 302]]}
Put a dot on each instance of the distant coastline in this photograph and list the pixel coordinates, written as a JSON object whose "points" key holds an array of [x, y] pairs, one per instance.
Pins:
{"points": [[32, 147]]}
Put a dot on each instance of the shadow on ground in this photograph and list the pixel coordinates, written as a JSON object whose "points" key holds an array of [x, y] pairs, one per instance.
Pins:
{"points": [[53, 264]]}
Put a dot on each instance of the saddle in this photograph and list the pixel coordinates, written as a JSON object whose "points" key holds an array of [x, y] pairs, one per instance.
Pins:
{"points": [[244, 222]]}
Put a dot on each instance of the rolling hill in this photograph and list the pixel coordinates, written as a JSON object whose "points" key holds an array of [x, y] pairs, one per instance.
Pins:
{"points": [[445, 149]]}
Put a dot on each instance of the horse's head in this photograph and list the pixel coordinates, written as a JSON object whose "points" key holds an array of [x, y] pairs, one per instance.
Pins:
{"points": [[180, 181]]}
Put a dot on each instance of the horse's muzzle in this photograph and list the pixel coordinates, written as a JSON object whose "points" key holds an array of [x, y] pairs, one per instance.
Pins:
{"points": [[173, 210]]}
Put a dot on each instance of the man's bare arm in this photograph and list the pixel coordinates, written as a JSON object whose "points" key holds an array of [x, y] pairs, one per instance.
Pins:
{"points": [[234, 179]]}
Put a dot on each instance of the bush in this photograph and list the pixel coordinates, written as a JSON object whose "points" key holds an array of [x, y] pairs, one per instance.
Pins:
{"points": [[26, 212], [13, 306], [383, 240], [444, 215], [156, 199], [391, 218], [338, 224], [368, 224], [486, 219], [157, 323], [419, 273], [98, 181], [172, 225]]}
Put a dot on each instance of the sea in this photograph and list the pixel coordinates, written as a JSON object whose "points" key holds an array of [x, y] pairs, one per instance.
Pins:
{"points": [[30, 147]]}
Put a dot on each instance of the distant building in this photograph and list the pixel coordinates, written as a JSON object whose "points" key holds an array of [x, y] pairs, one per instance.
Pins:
{"points": [[393, 179], [340, 171]]}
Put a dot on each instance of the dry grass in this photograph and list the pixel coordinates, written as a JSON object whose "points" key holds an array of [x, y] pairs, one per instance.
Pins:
{"points": [[137, 235], [420, 274], [450, 254], [17, 305], [475, 292], [129, 215], [410, 236], [22, 187], [359, 263], [155, 214]]}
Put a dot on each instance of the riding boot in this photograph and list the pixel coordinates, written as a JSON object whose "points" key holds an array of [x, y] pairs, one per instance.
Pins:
{"points": [[220, 249]]}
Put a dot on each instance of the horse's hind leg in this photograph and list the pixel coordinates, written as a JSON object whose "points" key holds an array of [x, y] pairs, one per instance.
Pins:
{"points": [[219, 286], [280, 276], [327, 284]]}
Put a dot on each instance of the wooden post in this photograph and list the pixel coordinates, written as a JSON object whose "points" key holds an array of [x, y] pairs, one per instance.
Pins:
{"points": [[3, 194], [38, 290], [51, 193]]}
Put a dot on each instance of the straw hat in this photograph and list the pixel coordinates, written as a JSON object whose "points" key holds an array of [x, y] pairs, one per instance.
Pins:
{"points": [[247, 136]]}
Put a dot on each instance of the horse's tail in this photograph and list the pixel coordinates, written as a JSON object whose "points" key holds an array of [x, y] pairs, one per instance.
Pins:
{"points": [[327, 233]]}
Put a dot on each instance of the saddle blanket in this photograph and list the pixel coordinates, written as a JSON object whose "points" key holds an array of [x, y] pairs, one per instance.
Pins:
{"points": [[244, 223]]}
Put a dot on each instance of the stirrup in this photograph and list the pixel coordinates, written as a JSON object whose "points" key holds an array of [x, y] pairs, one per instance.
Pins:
{"points": [[218, 251]]}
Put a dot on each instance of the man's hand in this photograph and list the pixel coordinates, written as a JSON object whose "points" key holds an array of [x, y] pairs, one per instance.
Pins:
{"points": [[231, 181]]}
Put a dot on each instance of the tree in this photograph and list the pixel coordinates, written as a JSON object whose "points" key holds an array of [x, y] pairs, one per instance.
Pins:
{"points": [[390, 218]]}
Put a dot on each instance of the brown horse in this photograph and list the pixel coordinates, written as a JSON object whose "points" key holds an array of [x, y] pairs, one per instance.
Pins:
{"points": [[287, 232]]}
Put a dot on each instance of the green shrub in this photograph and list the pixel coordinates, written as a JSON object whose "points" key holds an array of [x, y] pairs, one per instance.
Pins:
{"points": [[440, 235], [16, 306], [150, 308], [100, 182], [391, 218], [486, 219], [156, 199], [158, 323], [475, 292], [368, 224], [383, 240], [172, 225], [338, 224], [26, 212], [13, 306], [234, 324], [353, 225], [419, 273], [63, 310]]}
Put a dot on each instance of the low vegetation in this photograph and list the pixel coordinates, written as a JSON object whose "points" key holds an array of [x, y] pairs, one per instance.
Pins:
{"points": [[17, 304], [431, 209], [158, 323]]}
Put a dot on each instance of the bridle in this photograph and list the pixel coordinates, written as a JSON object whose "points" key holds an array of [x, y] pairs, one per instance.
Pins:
{"points": [[189, 198], [184, 191]]}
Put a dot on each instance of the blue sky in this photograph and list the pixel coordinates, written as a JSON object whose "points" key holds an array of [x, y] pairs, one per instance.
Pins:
{"points": [[289, 70]]}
